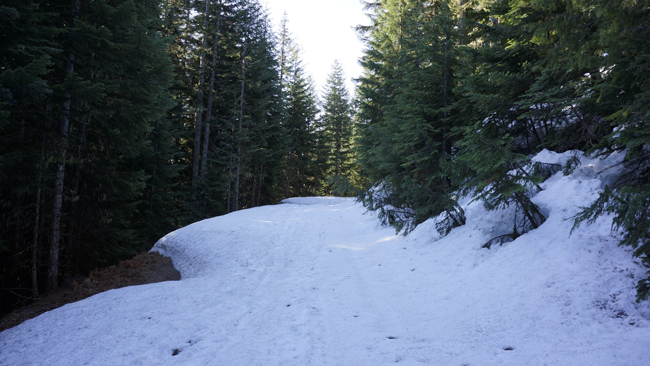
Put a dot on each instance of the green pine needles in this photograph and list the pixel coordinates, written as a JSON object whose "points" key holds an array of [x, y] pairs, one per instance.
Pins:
{"points": [[457, 96]]}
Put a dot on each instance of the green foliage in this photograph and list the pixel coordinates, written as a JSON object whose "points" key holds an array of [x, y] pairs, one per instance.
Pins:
{"points": [[388, 207], [337, 134], [404, 122], [304, 170], [116, 90], [342, 186], [126, 139], [451, 219], [456, 98], [625, 90]]}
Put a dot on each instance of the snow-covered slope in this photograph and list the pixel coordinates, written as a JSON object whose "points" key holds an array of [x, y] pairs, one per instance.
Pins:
{"points": [[314, 281]]}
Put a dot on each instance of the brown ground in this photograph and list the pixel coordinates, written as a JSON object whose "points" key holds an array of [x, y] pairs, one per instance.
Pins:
{"points": [[142, 269]]}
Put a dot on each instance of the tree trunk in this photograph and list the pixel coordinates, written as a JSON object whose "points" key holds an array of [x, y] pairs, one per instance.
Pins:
{"points": [[153, 188], [241, 121], [229, 205], [17, 208], [462, 27], [259, 193], [37, 224], [166, 10], [61, 147], [208, 118], [288, 173], [539, 137], [199, 105], [72, 246], [60, 153], [17, 204], [338, 148], [446, 147], [34, 265], [253, 190]]}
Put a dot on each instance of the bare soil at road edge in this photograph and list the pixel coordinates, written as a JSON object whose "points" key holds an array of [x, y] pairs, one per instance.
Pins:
{"points": [[142, 269]]}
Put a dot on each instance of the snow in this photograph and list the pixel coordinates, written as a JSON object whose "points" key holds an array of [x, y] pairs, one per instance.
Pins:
{"points": [[317, 281]]}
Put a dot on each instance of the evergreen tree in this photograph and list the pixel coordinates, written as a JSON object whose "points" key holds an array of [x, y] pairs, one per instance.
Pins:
{"points": [[405, 112], [27, 50], [299, 117], [115, 128], [338, 129], [622, 91], [529, 87], [250, 146], [81, 104], [301, 112], [198, 124], [462, 94], [242, 140]]}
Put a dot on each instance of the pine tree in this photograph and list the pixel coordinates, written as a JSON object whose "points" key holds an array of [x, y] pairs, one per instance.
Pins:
{"points": [[405, 112], [457, 96], [491, 162], [299, 117], [249, 143], [114, 147], [622, 91], [27, 52], [198, 124], [80, 104], [92, 136], [338, 130]]}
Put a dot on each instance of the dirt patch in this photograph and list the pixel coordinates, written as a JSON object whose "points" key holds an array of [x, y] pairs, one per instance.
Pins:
{"points": [[142, 269]]}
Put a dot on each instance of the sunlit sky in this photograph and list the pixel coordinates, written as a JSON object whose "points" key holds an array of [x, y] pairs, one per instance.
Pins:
{"points": [[324, 31]]}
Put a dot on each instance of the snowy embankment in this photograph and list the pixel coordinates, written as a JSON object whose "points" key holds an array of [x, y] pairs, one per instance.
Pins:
{"points": [[314, 281]]}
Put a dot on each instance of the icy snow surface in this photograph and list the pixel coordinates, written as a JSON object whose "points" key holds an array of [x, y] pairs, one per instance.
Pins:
{"points": [[315, 281]]}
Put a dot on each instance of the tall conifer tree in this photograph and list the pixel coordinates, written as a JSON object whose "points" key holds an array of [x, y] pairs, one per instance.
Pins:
{"points": [[405, 111], [338, 130], [298, 119]]}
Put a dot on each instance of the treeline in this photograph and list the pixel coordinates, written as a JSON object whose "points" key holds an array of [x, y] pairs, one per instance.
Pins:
{"points": [[121, 121], [458, 95]]}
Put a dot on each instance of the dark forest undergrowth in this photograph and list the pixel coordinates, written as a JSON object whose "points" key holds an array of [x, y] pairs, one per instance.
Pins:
{"points": [[142, 269]]}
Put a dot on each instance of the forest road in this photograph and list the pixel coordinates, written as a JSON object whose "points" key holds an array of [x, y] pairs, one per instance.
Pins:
{"points": [[311, 287]]}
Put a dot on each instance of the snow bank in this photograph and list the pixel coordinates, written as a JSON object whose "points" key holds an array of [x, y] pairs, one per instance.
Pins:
{"points": [[314, 281]]}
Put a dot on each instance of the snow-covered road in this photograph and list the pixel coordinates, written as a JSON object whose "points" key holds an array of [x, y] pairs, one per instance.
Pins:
{"points": [[309, 292], [315, 281]]}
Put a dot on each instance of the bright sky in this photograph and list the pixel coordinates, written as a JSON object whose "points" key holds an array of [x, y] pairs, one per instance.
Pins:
{"points": [[324, 31]]}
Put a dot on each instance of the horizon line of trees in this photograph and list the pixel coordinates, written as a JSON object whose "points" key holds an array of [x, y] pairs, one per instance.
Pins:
{"points": [[123, 120]]}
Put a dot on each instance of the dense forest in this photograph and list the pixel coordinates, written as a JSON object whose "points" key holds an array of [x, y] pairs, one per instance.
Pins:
{"points": [[123, 120]]}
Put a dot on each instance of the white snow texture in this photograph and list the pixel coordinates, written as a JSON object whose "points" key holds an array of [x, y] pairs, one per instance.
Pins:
{"points": [[315, 281]]}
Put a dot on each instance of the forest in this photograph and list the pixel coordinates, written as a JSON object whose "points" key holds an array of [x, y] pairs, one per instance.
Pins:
{"points": [[121, 121]]}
